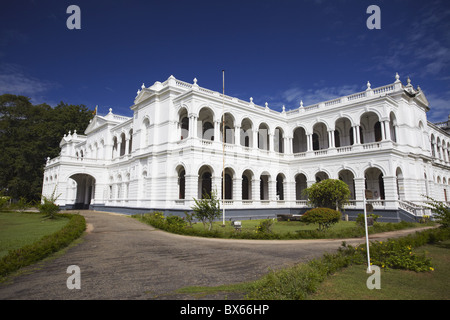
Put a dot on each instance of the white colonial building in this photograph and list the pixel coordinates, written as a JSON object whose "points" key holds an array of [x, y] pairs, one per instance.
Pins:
{"points": [[173, 150]]}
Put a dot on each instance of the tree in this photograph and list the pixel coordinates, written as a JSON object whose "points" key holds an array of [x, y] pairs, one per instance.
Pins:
{"points": [[329, 193], [28, 135], [441, 211], [207, 209]]}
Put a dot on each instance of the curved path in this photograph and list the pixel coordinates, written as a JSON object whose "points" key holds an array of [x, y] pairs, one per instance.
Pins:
{"points": [[122, 258]]}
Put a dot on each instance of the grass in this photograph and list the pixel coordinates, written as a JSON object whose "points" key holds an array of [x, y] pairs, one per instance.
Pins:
{"points": [[27, 241], [340, 277], [20, 229], [280, 229], [350, 283]]}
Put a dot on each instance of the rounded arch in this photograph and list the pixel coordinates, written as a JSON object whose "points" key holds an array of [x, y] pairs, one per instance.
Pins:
{"points": [[322, 175], [230, 124], [183, 122], [348, 177], [205, 174], [371, 126], [145, 132], [180, 165], [207, 108], [325, 122], [320, 136], [343, 132], [264, 179], [374, 183], [246, 134], [299, 139], [85, 189], [367, 166], [278, 142], [247, 183], [229, 174], [301, 183], [182, 109], [181, 180], [263, 136], [206, 120], [280, 181], [393, 126]]}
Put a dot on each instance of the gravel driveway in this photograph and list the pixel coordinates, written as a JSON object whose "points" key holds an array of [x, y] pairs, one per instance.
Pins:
{"points": [[122, 258]]}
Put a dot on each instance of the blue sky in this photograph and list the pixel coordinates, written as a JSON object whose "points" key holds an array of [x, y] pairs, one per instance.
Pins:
{"points": [[278, 52]]}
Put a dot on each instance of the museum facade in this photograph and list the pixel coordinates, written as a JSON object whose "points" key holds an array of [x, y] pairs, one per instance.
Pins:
{"points": [[184, 140]]}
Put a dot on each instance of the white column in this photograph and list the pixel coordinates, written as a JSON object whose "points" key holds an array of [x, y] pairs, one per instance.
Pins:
{"points": [[256, 189], [331, 139], [217, 131], [388, 129], [237, 189], [309, 142], [255, 139], [237, 135], [271, 141]]}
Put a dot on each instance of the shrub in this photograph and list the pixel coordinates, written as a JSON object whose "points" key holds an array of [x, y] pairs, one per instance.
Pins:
{"points": [[325, 217], [48, 207], [265, 226], [189, 217], [441, 212], [175, 221], [207, 209], [4, 202], [329, 193], [399, 254]]}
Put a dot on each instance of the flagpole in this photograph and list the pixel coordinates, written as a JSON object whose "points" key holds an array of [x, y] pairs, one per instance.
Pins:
{"points": [[223, 148], [369, 270]]}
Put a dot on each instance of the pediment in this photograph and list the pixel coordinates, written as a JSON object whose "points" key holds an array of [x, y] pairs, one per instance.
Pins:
{"points": [[143, 95], [422, 99], [95, 123]]}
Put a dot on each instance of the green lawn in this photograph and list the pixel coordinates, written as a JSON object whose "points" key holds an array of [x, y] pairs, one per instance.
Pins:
{"points": [[20, 229], [279, 227], [299, 230], [350, 283]]}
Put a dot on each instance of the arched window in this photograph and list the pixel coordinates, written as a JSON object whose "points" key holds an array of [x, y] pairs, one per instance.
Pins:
{"points": [[300, 185], [184, 128], [264, 187], [280, 187], [247, 185], [315, 139], [130, 145], [122, 144], [299, 141], [181, 184], [114, 148], [377, 130], [337, 139]]}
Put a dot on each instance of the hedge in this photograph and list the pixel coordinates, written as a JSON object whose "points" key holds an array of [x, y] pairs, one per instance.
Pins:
{"points": [[29, 254]]}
